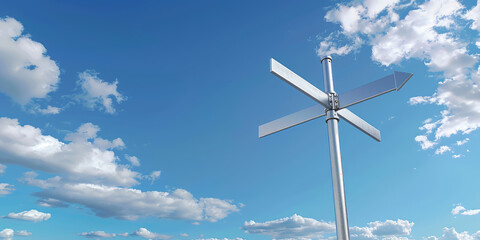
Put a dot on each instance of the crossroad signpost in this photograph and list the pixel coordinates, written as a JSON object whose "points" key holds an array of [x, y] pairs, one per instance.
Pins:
{"points": [[333, 106]]}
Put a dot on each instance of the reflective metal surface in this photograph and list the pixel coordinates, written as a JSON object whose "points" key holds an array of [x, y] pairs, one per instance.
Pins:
{"points": [[376, 88], [367, 91], [299, 83], [341, 219], [291, 120], [359, 123], [401, 78]]}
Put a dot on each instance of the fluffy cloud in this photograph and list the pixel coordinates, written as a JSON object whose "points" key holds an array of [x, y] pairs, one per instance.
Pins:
{"points": [[143, 232], [130, 203], [391, 228], [98, 94], [2, 168], [89, 175], [26, 72], [459, 209], [451, 234], [297, 227], [294, 227], [442, 149], [5, 189], [428, 32], [8, 233], [32, 216], [80, 159], [97, 234], [424, 142]]}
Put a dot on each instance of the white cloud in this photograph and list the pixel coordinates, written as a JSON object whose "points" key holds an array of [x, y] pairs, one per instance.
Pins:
{"points": [[424, 142], [2, 168], [143, 232], [391, 228], [31, 215], [49, 110], [97, 234], [131, 204], [80, 159], [459, 209], [474, 14], [427, 32], [133, 160], [418, 100], [456, 155], [91, 176], [451, 234], [471, 212], [98, 93], [459, 143], [442, 149], [183, 235], [26, 71], [8, 233], [290, 227], [297, 227], [6, 188], [429, 126]]}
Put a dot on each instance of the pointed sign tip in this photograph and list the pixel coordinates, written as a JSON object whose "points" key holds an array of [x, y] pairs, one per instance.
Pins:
{"points": [[401, 78]]}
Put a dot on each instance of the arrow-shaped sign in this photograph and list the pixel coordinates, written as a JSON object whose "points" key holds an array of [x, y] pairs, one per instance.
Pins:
{"points": [[384, 85], [317, 111]]}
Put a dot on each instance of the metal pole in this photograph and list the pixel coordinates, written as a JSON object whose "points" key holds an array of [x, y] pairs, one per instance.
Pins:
{"points": [[335, 158]]}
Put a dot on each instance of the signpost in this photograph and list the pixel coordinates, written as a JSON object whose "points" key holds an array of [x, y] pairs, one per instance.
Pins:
{"points": [[333, 106]]}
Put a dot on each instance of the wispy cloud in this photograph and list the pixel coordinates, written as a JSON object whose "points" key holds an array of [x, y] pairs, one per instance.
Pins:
{"points": [[459, 209], [98, 94], [6, 188]]}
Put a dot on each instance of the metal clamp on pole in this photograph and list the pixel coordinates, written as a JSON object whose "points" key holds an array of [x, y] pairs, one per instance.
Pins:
{"points": [[331, 114]]}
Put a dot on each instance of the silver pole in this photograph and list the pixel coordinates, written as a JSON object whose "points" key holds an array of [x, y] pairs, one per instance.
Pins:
{"points": [[335, 158]]}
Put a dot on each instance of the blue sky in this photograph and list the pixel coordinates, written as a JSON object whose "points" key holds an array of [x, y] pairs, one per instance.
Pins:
{"points": [[139, 120]]}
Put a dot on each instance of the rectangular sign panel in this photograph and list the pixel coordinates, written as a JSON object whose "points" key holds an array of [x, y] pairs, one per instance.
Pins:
{"points": [[299, 83], [291, 120]]}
